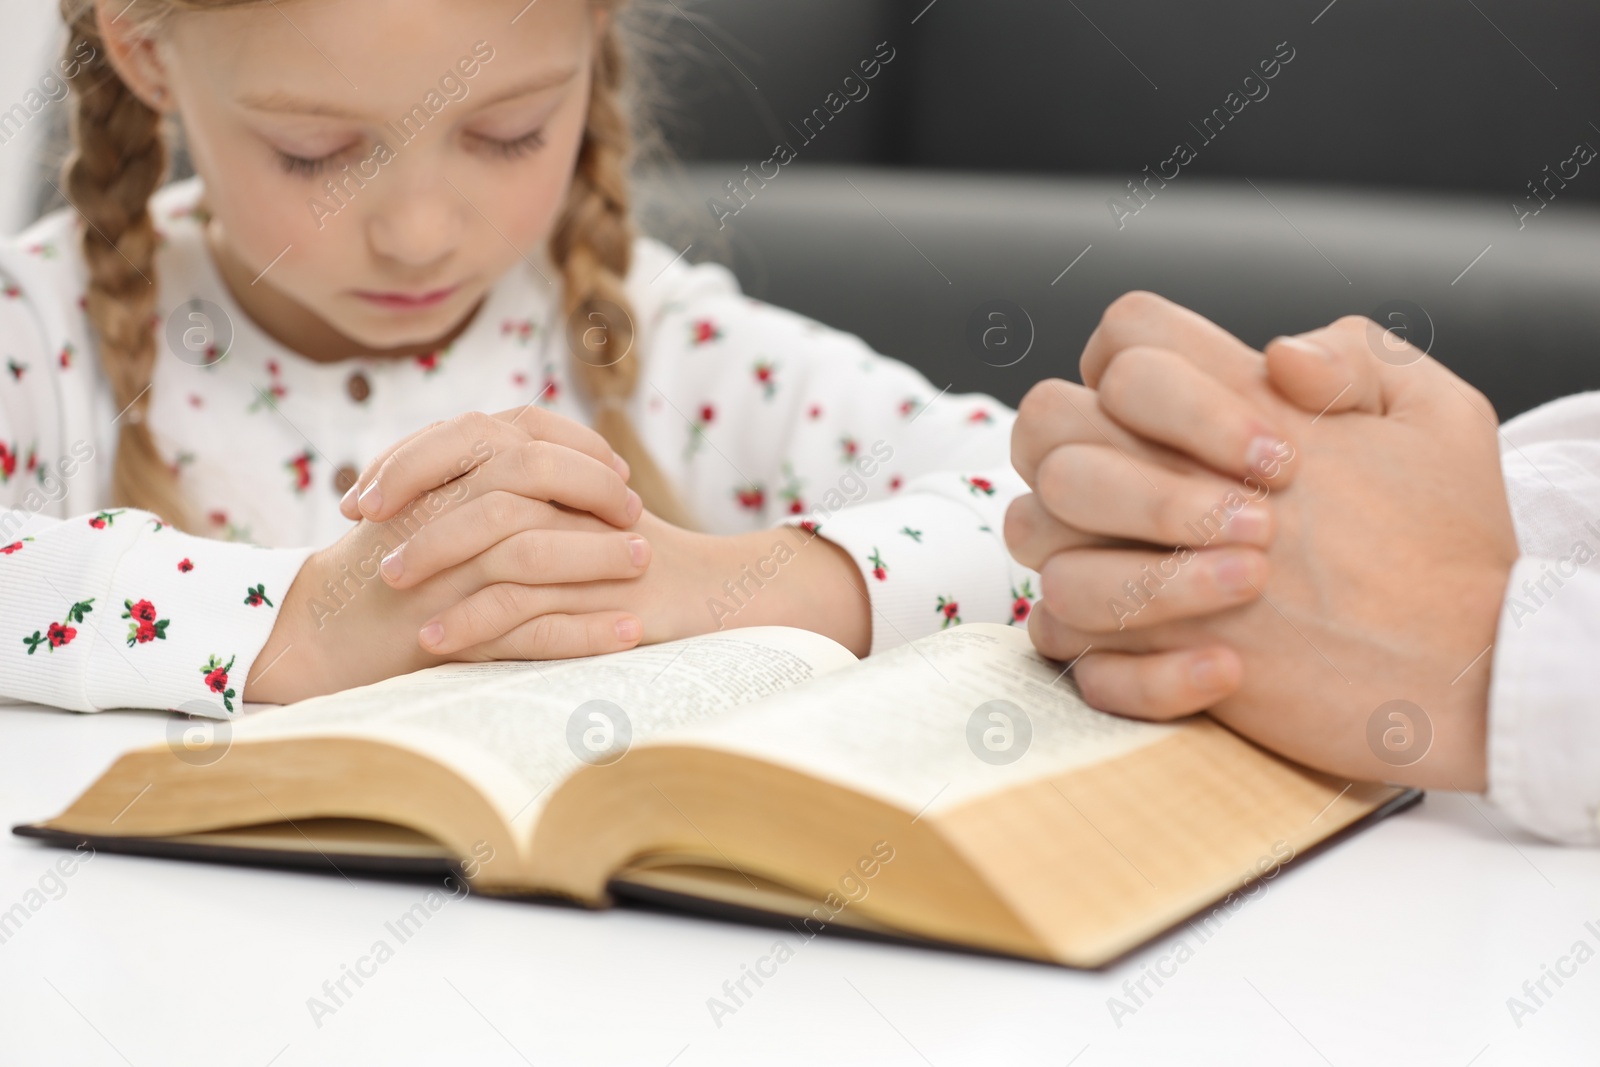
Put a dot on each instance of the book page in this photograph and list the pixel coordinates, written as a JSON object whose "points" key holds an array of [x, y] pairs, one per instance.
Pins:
{"points": [[930, 725], [517, 728]]}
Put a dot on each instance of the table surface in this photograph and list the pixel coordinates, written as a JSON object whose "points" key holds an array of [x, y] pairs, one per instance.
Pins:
{"points": [[1401, 945]]}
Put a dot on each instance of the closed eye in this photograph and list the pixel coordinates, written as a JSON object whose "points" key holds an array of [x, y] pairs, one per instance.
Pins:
{"points": [[305, 168], [512, 149]]}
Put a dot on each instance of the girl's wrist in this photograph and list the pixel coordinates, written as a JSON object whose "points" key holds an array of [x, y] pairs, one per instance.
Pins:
{"points": [[783, 576]]}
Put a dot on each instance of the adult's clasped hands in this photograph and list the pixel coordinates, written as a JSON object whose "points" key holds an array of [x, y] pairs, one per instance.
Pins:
{"points": [[1292, 539]]}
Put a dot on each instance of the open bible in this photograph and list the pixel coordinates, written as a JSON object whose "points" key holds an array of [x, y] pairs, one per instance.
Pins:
{"points": [[955, 789]]}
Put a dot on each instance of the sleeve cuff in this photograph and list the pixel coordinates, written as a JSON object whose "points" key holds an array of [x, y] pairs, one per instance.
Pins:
{"points": [[931, 559], [119, 610], [1543, 755]]}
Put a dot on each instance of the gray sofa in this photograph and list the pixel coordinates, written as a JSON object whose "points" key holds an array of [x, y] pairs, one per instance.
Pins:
{"points": [[1377, 170]]}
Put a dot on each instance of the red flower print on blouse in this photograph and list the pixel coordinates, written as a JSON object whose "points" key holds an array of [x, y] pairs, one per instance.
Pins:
{"points": [[33, 459], [12, 290], [980, 416], [105, 518], [256, 596], [752, 497], [704, 331], [15, 546], [791, 489], [910, 406], [697, 430], [951, 612], [880, 569], [216, 674], [274, 392], [895, 483], [144, 627], [16, 368], [814, 411], [67, 352], [521, 329], [429, 361], [979, 485], [185, 565], [301, 466], [519, 379], [765, 374], [58, 634], [1021, 601], [810, 527], [848, 449], [8, 462]]}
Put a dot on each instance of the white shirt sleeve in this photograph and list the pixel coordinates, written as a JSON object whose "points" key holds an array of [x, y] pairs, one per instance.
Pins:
{"points": [[1544, 716], [773, 418], [109, 608]]}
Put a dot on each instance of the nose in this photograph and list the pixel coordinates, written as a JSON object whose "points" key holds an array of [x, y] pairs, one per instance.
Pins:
{"points": [[417, 224]]}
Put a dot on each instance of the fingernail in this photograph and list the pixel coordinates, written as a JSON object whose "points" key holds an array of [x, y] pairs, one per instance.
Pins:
{"points": [[1266, 452], [1250, 524], [371, 500], [628, 630], [1310, 348], [635, 506], [344, 501], [432, 634], [391, 566], [1233, 574], [639, 549], [1203, 673]]}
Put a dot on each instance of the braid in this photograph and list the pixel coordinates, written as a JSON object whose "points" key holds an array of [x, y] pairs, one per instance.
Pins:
{"points": [[118, 161], [592, 244]]}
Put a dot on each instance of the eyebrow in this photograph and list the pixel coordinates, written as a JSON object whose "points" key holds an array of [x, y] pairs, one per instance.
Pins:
{"points": [[288, 102]]}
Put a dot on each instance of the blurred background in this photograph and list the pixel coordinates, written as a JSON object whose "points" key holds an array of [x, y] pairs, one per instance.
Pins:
{"points": [[967, 185], [1415, 160]]}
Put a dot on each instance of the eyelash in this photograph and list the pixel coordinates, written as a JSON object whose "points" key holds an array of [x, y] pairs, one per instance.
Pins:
{"points": [[301, 167], [515, 149]]}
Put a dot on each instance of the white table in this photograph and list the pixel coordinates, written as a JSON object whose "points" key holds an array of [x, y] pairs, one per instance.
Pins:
{"points": [[1399, 946]]}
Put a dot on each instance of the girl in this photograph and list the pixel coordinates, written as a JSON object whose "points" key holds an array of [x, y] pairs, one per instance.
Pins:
{"points": [[406, 216]]}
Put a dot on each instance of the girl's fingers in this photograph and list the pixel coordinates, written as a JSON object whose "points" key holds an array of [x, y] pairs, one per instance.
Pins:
{"points": [[540, 470], [542, 425], [1163, 396], [1100, 491], [1158, 685], [453, 447], [508, 609], [551, 557], [1110, 590], [453, 537], [1033, 535], [427, 460], [558, 636]]}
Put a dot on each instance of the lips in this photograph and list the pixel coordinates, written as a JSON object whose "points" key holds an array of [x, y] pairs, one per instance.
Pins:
{"points": [[403, 301]]}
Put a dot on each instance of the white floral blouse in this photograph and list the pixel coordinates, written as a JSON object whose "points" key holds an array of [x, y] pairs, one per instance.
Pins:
{"points": [[758, 415]]}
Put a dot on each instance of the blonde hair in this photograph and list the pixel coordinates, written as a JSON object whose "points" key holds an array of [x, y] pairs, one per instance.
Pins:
{"points": [[119, 159]]}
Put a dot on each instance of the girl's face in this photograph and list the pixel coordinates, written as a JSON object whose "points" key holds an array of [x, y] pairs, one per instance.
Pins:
{"points": [[383, 163]]}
